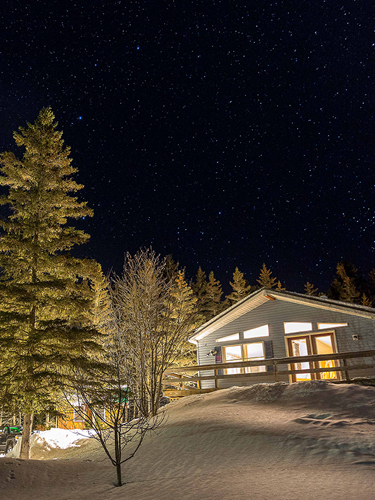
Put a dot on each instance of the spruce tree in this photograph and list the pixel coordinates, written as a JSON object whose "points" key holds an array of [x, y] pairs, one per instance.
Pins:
{"points": [[240, 287], [279, 287], [199, 287], [344, 286], [214, 293], [310, 290], [365, 301], [171, 268], [371, 285], [44, 292], [184, 304], [265, 279]]}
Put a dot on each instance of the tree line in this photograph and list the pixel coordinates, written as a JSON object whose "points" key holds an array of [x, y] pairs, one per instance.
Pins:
{"points": [[348, 286]]}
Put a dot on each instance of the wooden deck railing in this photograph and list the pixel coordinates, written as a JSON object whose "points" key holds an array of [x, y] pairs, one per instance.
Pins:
{"points": [[173, 375]]}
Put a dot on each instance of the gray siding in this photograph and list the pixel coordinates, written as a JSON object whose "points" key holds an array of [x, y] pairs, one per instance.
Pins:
{"points": [[275, 313]]}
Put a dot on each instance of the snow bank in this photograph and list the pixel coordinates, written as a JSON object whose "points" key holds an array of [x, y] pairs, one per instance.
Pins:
{"points": [[43, 442], [61, 438]]}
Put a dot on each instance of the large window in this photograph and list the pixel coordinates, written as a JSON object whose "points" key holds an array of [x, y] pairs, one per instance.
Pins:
{"points": [[232, 354], [254, 352], [244, 352]]}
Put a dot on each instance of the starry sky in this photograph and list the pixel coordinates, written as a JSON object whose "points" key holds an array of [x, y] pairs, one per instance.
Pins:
{"points": [[221, 133]]}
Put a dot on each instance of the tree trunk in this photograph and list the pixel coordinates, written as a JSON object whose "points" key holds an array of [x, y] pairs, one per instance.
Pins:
{"points": [[26, 435], [118, 454], [118, 469]]}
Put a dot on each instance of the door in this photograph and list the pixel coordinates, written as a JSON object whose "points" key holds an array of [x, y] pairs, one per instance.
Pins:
{"points": [[324, 344], [312, 344], [300, 346]]}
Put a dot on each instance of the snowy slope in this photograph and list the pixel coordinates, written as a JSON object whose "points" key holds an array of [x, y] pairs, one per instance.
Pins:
{"points": [[299, 441]]}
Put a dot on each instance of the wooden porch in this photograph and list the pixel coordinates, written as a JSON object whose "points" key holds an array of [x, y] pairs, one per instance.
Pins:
{"points": [[270, 367]]}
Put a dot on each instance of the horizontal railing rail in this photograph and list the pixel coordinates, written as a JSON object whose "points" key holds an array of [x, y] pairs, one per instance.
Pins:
{"points": [[172, 375]]}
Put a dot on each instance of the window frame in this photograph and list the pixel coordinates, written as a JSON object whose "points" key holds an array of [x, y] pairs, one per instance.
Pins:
{"points": [[298, 331], [243, 352], [311, 347], [257, 336]]}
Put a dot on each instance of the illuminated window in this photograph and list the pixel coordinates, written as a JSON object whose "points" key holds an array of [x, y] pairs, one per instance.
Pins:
{"points": [[232, 354], [323, 326], [246, 352], [295, 327], [236, 336], [253, 352], [261, 331]]}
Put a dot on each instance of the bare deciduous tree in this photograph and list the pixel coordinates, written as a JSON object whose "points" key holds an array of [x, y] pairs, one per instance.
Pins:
{"points": [[107, 405], [154, 315]]}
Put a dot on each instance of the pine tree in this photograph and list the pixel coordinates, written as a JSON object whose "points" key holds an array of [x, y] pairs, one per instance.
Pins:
{"points": [[346, 285], [371, 285], [44, 292], [199, 288], [310, 290], [279, 287], [214, 293], [101, 307], [184, 304], [100, 312], [365, 301], [171, 268], [240, 287], [265, 280]]}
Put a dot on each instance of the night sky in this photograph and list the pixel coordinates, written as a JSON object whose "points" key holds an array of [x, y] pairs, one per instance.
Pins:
{"points": [[224, 134]]}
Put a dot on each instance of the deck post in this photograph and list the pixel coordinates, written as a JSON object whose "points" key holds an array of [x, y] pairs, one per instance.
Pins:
{"points": [[275, 371], [346, 371], [216, 380]]}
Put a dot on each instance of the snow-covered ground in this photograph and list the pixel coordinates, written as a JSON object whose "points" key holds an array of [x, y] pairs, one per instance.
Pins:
{"points": [[270, 441]]}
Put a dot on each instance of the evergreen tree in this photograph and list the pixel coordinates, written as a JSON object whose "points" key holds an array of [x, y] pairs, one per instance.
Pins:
{"points": [[265, 279], [184, 304], [171, 268], [370, 289], [100, 312], [365, 301], [279, 287], [310, 290], [199, 287], [240, 287], [44, 292], [214, 293], [344, 286]]}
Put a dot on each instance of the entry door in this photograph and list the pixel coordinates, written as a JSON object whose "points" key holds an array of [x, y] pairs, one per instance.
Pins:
{"points": [[324, 344], [312, 344], [300, 346]]}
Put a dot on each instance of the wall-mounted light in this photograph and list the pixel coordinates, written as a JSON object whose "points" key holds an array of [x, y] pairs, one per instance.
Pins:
{"points": [[212, 353], [355, 337]]}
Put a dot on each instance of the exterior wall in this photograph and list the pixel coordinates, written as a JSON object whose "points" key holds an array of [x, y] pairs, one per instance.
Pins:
{"points": [[71, 420], [275, 314]]}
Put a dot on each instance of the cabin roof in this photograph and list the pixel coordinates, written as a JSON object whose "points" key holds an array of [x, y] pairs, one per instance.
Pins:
{"points": [[263, 295]]}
